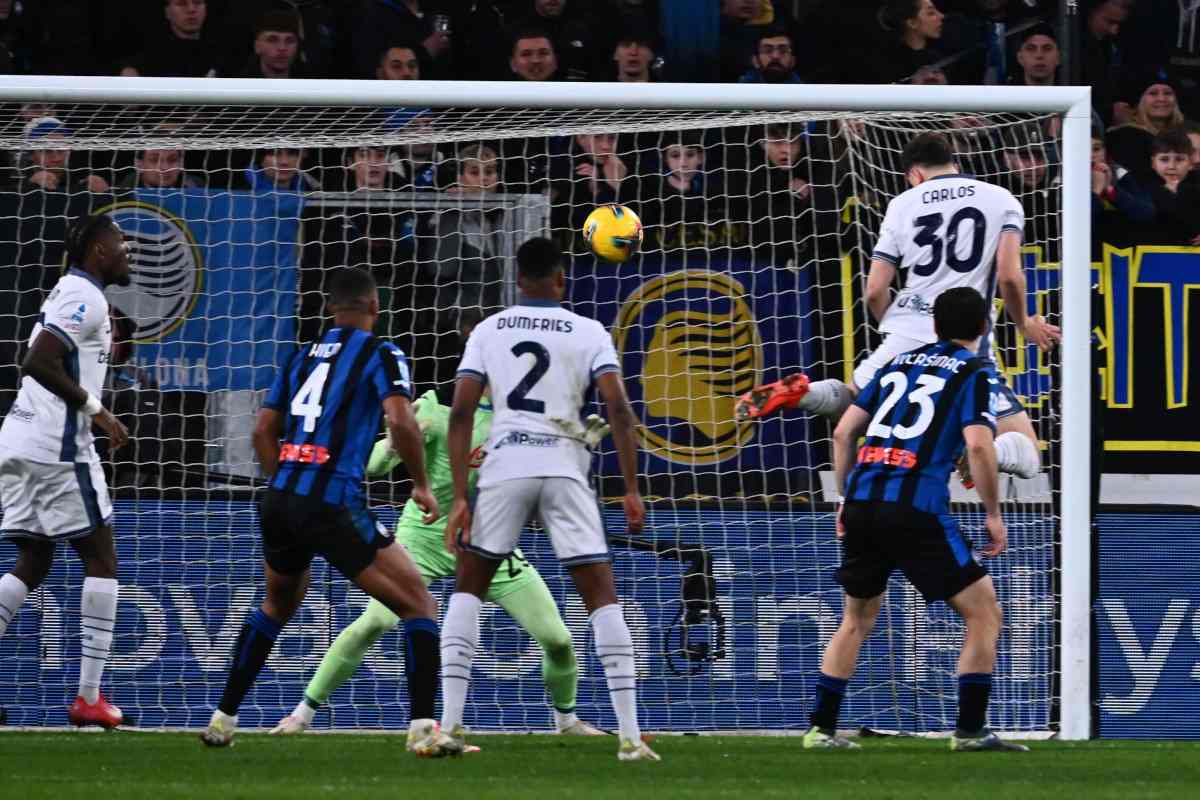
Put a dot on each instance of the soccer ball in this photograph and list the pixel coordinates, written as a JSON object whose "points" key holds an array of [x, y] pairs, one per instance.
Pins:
{"points": [[614, 232]]}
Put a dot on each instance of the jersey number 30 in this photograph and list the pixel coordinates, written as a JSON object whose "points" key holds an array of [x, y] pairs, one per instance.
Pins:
{"points": [[307, 402], [896, 385], [927, 236]]}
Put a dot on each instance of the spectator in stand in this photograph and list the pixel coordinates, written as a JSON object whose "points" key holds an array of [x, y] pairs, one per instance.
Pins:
{"points": [[276, 47], [462, 252], [911, 28], [421, 165], [399, 63], [589, 174], [182, 50], [1192, 129], [739, 36], [788, 190], [569, 28], [1119, 205], [48, 168], [18, 38], [1176, 199], [1167, 32], [160, 169], [633, 56], [323, 26], [1156, 109], [981, 38], [1038, 57], [685, 191], [1099, 60], [532, 57], [384, 22], [280, 171], [774, 60]]}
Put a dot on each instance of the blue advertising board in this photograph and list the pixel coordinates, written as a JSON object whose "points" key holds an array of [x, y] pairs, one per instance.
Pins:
{"points": [[191, 570]]}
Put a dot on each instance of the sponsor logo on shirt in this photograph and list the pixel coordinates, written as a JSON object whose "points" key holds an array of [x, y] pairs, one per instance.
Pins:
{"points": [[527, 440], [303, 453], [22, 414], [916, 303], [888, 456]]}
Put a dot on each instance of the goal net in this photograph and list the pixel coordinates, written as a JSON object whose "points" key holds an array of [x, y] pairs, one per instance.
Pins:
{"points": [[758, 230]]}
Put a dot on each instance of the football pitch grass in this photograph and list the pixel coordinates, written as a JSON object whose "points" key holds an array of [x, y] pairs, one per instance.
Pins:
{"points": [[133, 764]]}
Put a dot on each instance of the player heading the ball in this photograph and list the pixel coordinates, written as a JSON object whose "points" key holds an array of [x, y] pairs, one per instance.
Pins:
{"points": [[948, 230], [312, 437], [52, 487], [539, 360], [918, 413]]}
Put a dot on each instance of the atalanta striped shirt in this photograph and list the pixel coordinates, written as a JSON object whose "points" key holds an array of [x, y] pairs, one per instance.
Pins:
{"points": [[919, 405], [331, 394]]}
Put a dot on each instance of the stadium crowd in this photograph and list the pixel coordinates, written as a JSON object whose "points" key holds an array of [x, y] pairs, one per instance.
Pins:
{"points": [[783, 193]]}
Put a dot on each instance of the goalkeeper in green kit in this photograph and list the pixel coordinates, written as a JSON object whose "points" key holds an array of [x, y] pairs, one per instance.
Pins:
{"points": [[517, 587]]}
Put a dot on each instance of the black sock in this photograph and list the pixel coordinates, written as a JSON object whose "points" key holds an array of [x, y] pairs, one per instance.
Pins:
{"points": [[423, 663], [830, 692], [974, 689], [250, 652]]}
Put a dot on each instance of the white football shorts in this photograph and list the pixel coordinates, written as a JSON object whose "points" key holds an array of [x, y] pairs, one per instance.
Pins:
{"points": [[567, 508], [52, 501], [893, 344]]}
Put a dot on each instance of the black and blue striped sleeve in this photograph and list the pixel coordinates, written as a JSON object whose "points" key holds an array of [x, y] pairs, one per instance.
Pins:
{"points": [[391, 374]]}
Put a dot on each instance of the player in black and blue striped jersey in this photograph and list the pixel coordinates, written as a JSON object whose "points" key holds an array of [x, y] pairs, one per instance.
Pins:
{"points": [[919, 412], [314, 433]]}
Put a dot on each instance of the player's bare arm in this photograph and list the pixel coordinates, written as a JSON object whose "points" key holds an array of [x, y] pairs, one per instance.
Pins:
{"points": [[409, 443], [1011, 283], [879, 287], [44, 363], [623, 422], [845, 444], [268, 429], [981, 454], [467, 392]]}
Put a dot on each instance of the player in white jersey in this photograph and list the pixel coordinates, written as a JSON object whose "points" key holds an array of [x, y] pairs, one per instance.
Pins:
{"points": [[51, 486], [539, 360], [948, 230]]}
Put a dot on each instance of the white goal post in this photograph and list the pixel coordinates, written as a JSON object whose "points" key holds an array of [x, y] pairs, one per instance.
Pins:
{"points": [[610, 101]]}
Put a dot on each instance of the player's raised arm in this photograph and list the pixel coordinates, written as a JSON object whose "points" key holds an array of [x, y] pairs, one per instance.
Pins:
{"points": [[1011, 283], [409, 443], [623, 422], [45, 364]]}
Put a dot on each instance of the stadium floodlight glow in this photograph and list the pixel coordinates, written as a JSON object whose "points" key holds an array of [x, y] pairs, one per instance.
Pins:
{"points": [[128, 115]]}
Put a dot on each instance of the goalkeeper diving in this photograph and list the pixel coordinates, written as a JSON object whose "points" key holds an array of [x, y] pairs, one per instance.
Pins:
{"points": [[517, 586]]}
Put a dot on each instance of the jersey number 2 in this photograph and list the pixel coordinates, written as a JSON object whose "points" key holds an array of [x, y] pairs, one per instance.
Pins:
{"points": [[517, 399], [897, 384], [927, 236], [307, 402]]}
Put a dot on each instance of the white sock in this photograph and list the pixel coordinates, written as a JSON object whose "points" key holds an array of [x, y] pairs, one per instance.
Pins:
{"points": [[564, 721], [1017, 454], [829, 398], [614, 646], [12, 594], [460, 637], [98, 608], [304, 712]]}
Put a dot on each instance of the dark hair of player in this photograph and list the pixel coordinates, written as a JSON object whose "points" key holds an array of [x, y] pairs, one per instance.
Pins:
{"points": [[469, 317], [1174, 140], [960, 313], [926, 150], [538, 259], [351, 289], [83, 233]]}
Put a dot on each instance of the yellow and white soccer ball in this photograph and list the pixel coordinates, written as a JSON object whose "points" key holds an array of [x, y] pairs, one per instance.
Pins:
{"points": [[614, 232]]}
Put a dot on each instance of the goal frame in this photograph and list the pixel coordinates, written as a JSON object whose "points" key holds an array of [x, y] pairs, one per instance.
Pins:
{"points": [[1074, 102]]}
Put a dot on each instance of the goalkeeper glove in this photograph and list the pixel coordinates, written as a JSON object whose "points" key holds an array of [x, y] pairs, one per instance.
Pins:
{"points": [[594, 430]]}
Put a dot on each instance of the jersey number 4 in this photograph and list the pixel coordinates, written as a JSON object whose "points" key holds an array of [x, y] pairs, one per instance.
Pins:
{"points": [[518, 399], [896, 385], [307, 402], [928, 228]]}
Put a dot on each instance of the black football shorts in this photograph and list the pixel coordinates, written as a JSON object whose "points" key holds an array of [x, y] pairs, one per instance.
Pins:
{"points": [[296, 527], [928, 548]]}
